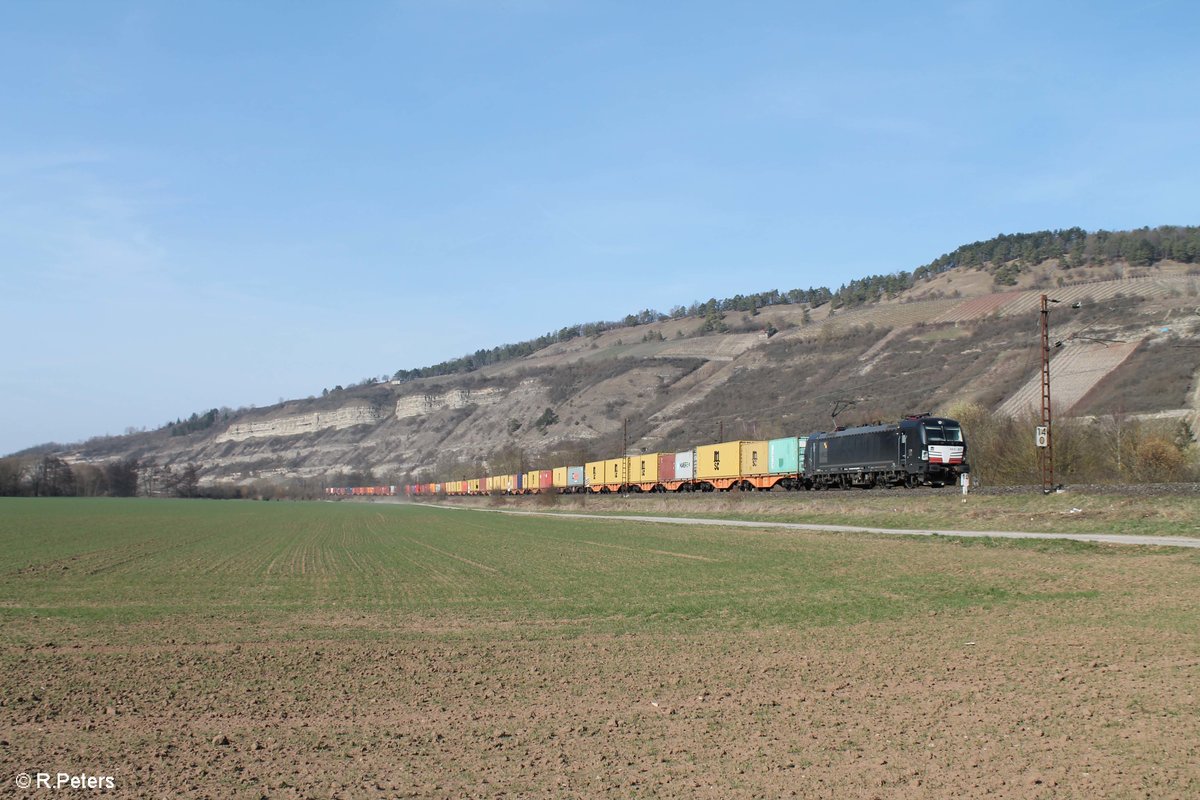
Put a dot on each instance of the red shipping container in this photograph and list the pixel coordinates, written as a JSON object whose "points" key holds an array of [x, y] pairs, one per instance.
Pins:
{"points": [[666, 467], [546, 479]]}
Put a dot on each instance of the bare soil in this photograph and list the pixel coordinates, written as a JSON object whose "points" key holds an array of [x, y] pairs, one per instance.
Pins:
{"points": [[1000, 703]]}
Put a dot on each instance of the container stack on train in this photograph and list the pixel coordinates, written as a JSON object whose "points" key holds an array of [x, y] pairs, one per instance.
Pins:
{"points": [[918, 450]]}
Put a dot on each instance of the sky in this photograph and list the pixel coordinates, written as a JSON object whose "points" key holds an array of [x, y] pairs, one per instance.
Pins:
{"points": [[228, 203]]}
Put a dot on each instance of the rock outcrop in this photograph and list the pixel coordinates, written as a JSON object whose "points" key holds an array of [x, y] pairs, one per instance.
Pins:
{"points": [[299, 424]]}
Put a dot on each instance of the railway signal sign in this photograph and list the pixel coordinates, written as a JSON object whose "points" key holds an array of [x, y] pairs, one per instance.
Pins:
{"points": [[1041, 437]]}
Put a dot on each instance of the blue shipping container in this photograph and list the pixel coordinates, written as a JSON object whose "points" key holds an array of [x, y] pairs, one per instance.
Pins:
{"points": [[574, 476]]}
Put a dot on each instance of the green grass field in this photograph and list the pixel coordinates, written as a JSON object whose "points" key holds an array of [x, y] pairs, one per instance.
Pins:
{"points": [[124, 569]]}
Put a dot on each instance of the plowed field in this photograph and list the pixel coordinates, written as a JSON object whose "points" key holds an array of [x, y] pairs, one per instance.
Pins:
{"points": [[339, 650]]}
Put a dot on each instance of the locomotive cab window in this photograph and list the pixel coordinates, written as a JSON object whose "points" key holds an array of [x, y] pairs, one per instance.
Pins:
{"points": [[943, 433]]}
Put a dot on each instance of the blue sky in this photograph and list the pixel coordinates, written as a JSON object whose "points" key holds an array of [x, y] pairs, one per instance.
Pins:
{"points": [[210, 204]]}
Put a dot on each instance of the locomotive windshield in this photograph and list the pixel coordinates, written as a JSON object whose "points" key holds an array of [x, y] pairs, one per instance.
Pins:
{"points": [[943, 432]]}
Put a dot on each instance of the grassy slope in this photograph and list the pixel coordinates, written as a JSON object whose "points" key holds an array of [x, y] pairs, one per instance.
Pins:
{"points": [[1070, 512]]}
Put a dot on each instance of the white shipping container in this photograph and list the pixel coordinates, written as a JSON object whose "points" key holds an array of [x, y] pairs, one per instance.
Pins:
{"points": [[685, 465], [574, 476]]}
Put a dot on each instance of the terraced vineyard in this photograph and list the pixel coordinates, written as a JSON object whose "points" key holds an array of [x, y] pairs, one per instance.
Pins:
{"points": [[341, 650], [1074, 373]]}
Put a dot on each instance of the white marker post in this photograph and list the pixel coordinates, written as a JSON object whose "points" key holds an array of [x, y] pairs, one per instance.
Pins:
{"points": [[965, 480]]}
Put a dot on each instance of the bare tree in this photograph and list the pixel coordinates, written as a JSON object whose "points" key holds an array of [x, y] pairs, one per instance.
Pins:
{"points": [[90, 480], [53, 477], [11, 472], [187, 482], [122, 477]]}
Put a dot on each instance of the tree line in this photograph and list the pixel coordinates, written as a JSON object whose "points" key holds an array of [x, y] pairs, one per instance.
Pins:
{"points": [[1110, 449], [1072, 246], [52, 476], [704, 310], [1075, 247], [1006, 255], [196, 422]]}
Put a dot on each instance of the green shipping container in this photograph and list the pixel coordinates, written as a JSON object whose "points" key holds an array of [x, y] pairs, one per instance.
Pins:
{"points": [[785, 455]]}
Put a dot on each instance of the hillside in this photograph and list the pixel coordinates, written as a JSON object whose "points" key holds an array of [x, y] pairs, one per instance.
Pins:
{"points": [[1131, 347]]}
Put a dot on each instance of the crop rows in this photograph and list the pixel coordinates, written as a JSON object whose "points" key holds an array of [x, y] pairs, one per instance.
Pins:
{"points": [[126, 569]]}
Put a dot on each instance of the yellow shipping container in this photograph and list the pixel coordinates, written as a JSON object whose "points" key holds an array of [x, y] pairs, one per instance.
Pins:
{"points": [[755, 460], [722, 460], [643, 468], [593, 473], [560, 477], [614, 470], [531, 480]]}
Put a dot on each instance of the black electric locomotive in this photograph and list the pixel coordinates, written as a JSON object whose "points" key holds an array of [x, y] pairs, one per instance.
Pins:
{"points": [[918, 450]]}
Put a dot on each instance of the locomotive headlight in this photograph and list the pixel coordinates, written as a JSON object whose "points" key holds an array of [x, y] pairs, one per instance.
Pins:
{"points": [[924, 455]]}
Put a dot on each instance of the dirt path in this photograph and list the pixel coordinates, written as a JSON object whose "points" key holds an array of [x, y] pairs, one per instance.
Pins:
{"points": [[1102, 538]]}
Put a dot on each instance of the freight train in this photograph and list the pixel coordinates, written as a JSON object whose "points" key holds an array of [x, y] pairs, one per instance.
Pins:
{"points": [[919, 450]]}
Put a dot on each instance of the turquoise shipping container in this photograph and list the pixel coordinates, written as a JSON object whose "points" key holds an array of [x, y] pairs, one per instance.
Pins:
{"points": [[784, 455]]}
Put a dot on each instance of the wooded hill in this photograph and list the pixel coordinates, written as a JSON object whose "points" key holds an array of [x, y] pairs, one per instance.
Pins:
{"points": [[1005, 257], [958, 334]]}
